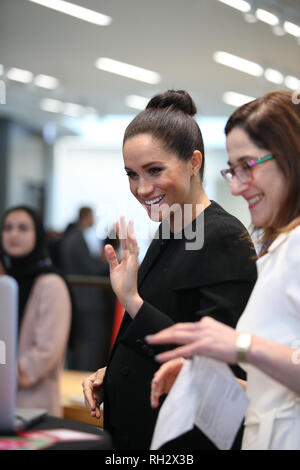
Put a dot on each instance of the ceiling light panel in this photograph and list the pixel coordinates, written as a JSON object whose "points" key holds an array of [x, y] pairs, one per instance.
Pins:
{"points": [[136, 102], [76, 11], [292, 82], [236, 99], [73, 109], [45, 81], [238, 63], [267, 17], [274, 76], [51, 105], [291, 28], [19, 75], [240, 5], [127, 70]]}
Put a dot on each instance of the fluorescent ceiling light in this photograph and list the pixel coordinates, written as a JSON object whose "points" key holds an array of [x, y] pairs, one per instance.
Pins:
{"points": [[292, 82], [69, 109], [274, 76], [73, 109], [76, 11], [238, 63], [292, 28], [136, 102], [126, 70], [240, 5], [266, 17], [45, 81], [236, 99], [19, 75], [51, 105]]}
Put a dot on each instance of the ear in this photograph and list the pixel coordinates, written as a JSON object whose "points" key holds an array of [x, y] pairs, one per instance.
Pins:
{"points": [[196, 162]]}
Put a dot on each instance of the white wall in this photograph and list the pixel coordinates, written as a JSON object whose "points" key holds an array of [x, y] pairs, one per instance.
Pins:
{"points": [[88, 174]]}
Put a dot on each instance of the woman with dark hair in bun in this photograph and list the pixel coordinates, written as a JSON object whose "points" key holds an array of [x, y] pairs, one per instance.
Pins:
{"points": [[44, 309], [198, 264]]}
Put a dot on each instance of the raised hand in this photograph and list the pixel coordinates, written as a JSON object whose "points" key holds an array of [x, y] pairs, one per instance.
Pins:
{"points": [[123, 274]]}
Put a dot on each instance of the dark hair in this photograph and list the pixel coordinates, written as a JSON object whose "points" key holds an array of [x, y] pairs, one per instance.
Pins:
{"points": [[169, 118], [273, 122], [84, 211]]}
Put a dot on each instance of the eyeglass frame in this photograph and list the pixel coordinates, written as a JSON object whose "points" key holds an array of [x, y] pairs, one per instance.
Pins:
{"points": [[250, 165]]}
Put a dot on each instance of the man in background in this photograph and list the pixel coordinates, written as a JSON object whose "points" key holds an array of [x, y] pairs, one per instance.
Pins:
{"points": [[91, 328]]}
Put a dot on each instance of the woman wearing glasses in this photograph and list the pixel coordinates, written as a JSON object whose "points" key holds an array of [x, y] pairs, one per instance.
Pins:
{"points": [[180, 279], [263, 144]]}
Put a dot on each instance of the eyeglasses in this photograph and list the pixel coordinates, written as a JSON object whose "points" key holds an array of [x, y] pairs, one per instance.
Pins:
{"points": [[243, 171]]}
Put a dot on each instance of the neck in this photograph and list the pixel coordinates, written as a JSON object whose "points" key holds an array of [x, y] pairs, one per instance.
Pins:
{"points": [[189, 211]]}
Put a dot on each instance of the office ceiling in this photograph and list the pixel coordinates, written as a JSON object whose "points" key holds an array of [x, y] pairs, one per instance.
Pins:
{"points": [[175, 38]]}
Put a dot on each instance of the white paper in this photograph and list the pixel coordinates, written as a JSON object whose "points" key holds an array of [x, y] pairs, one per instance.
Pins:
{"points": [[205, 394], [173, 418]]}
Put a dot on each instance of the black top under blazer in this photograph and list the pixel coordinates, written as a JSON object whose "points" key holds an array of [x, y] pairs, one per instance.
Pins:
{"points": [[177, 285]]}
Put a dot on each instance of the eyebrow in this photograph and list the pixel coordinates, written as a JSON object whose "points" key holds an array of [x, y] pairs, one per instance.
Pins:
{"points": [[146, 165]]}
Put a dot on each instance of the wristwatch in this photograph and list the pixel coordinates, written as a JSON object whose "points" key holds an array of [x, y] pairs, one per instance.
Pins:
{"points": [[243, 344]]}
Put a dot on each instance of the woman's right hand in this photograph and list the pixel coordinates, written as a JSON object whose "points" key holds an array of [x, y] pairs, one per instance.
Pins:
{"points": [[93, 392], [164, 379], [123, 274]]}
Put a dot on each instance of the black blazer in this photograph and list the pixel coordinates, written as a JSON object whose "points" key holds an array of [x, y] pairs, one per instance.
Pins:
{"points": [[176, 285]]}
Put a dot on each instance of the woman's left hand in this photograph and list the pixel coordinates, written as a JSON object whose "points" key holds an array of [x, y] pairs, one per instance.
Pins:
{"points": [[123, 275], [206, 337], [164, 379]]}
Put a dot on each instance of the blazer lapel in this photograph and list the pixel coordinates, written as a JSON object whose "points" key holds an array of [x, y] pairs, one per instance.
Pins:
{"points": [[155, 249]]}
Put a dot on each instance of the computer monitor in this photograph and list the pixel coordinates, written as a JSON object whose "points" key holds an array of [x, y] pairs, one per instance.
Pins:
{"points": [[12, 419], [8, 351]]}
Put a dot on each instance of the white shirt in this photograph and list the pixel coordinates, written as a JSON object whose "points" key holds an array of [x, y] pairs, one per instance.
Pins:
{"points": [[273, 312]]}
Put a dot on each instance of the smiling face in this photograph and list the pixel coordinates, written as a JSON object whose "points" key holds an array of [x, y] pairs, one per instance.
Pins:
{"points": [[18, 234], [266, 191], [157, 178]]}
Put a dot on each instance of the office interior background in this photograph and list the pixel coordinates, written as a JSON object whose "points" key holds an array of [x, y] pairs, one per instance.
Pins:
{"points": [[70, 85]]}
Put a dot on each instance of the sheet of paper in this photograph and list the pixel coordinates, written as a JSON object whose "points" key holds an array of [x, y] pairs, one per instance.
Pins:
{"points": [[206, 394], [222, 402], [177, 414]]}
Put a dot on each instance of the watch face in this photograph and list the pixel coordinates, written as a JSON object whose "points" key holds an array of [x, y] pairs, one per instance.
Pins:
{"points": [[244, 340], [243, 344]]}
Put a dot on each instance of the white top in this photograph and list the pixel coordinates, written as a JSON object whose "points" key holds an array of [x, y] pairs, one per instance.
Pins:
{"points": [[273, 312]]}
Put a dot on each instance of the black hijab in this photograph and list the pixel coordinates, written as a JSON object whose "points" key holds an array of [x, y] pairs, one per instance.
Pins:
{"points": [[27, 268]]}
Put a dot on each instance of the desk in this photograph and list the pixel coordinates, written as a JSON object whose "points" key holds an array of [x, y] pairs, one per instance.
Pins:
{"points": [[72, 398], [50, 422]]}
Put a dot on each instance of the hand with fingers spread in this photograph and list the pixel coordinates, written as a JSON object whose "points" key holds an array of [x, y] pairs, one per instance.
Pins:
{"points": [[123, 275], [206, 337], [164, 379], [93, 392]]}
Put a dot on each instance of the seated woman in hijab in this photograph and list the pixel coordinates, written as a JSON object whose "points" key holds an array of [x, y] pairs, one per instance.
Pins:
{"points": [[44, 309]]}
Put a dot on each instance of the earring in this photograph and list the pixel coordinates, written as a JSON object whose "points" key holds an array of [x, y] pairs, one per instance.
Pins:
{"points": [[195, 173]]}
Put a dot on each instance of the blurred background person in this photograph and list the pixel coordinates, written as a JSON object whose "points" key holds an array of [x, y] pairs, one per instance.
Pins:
{"points": [[44, 309], [91, 326]]}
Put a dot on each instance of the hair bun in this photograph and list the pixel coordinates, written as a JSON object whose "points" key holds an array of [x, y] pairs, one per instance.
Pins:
{"points": [[178, 99]]}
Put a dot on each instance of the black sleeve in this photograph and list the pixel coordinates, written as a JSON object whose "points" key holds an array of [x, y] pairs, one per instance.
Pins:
{"points": [[149, 320]]}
